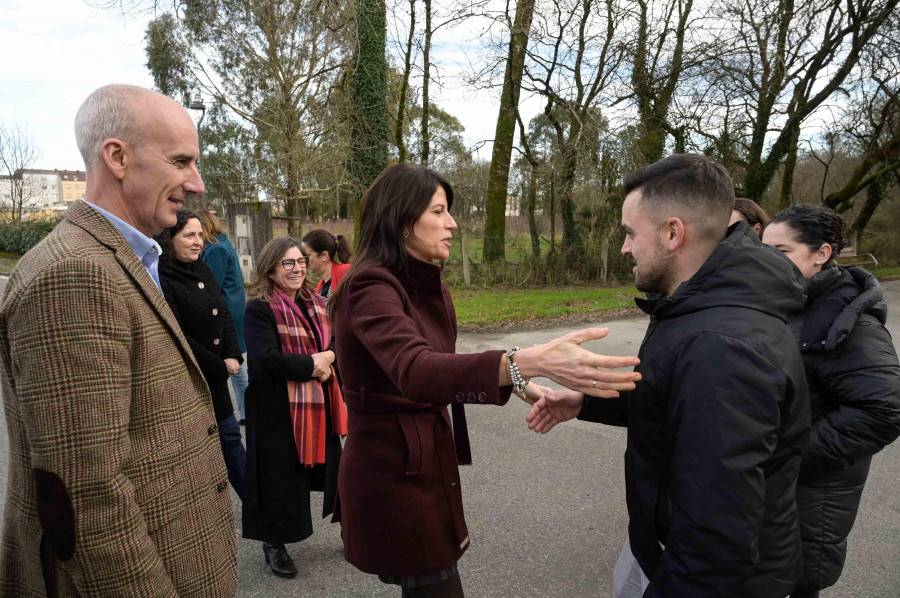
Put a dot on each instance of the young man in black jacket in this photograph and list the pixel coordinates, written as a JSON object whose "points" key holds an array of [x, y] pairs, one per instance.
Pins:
{"points": [[718, 424]]}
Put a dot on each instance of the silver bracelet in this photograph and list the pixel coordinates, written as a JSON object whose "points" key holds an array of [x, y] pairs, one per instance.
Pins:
{"points": [[514, 374]]}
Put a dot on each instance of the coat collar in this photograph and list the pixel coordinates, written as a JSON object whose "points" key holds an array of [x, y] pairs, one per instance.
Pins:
{"points": [[96, 225], [420, 275]]}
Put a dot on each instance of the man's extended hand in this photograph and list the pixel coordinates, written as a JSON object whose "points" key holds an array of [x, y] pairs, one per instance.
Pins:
{"points": [[554, 407]]}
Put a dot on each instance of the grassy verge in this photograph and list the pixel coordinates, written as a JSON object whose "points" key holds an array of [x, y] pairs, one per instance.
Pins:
{"points": [[494, 307], [888, 272]]}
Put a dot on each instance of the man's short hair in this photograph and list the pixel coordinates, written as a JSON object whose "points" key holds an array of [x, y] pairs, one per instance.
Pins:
{"points": [[107, 113], [693, 187]]}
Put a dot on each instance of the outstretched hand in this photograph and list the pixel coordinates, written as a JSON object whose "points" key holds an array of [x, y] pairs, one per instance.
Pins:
{"points": [[554, 407], [564, 361]]}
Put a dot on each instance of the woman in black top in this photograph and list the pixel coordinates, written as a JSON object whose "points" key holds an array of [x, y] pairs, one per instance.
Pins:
{"points": [[854, 385], [190, 290]]}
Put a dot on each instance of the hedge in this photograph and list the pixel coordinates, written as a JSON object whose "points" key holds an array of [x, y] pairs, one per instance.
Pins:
{"points": [[19, 237]]}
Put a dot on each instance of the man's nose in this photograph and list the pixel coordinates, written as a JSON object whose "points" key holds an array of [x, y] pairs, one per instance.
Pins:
{"points": [[194, 184]]}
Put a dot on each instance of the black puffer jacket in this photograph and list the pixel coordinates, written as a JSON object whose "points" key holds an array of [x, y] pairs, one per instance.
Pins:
{"points": [[716, 429], [854, 391], [190, 290]]}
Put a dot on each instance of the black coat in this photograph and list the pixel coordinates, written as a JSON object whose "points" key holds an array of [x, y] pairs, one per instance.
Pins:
{"points": [[716, 429], [276, 485], [854, 391], [194, 297]]}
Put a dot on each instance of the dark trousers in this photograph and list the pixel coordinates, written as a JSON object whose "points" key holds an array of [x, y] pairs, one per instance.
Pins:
{"points": [[234, 453]]}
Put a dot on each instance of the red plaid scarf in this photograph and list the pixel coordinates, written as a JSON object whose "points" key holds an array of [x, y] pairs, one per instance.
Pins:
{"points": [[307, 399]]}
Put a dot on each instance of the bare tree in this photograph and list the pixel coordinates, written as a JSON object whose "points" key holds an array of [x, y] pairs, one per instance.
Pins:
{"points": [[573, 60], [18, 153], [494, 247], [870, 128], [777, 63], [659, 61]]}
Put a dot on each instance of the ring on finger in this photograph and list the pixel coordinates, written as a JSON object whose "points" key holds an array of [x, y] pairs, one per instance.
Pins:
{"points": [[593, 383]]}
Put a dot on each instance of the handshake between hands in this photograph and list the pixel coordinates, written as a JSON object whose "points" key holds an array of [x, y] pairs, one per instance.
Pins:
{"points": [[567, 363]]}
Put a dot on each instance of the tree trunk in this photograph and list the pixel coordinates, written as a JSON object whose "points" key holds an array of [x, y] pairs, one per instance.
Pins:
{"points": [[464, 251], [552, 212], [532, 223], [874, 196], [368, 92], [426, 79], [567, 201], [604, 256], [498, 178], [790, 164], [404, 85]]}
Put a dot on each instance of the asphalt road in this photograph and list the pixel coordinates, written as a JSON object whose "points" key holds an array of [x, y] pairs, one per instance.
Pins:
{"points": [[547, 514]]}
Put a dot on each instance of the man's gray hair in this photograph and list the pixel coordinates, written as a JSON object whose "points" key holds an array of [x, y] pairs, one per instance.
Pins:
{"points": [[106, 113]]}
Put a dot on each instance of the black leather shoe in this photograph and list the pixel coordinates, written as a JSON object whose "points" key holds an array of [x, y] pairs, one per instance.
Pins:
{"points": [[279, 560]]}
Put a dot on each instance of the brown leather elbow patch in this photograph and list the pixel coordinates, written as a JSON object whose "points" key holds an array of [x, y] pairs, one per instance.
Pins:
{"points": [[55, 513]]}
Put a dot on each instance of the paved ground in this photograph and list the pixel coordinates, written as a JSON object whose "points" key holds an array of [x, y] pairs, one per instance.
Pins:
{"points": [[547, 514]]}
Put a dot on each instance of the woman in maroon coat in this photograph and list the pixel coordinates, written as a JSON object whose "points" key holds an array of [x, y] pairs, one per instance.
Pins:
{"points": [[400, 502]]}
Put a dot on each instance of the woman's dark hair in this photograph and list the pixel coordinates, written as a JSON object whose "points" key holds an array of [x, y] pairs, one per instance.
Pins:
{"points": [[320, 240], [388, 210], [814, 226], [262, 286], [751, 212], [165, 238]]}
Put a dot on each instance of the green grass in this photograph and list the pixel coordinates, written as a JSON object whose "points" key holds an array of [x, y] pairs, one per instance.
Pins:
{"points": [[518, 248], [887, 272], [8, 262], [511, 306]]}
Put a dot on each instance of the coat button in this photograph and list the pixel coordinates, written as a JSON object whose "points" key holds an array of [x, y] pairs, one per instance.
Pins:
{"points": [[471, 397], [212, 429], [215, 311], [216, 341], [201, 285], [222, 486], [482, 396], [460, 397]]}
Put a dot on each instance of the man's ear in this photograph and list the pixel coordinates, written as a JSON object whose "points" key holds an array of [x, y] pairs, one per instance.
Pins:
{"points": [[673, 233], [116, 154]]}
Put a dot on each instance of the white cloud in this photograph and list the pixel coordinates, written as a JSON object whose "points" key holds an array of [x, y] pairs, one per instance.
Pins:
{"points": [[55, 53]]}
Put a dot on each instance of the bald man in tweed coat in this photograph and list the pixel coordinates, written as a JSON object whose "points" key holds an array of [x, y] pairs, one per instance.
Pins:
{"points": [[117, 486]]}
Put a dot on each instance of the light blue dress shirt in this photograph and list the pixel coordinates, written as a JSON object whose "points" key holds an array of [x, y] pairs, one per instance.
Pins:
{"points": [[145, 248]]}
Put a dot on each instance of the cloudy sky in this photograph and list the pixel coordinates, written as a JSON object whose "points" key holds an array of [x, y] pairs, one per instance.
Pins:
{"points": [[55, 52]]}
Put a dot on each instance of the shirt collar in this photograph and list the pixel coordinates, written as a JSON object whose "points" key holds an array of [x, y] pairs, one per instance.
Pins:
{"points": [[140, 243]]}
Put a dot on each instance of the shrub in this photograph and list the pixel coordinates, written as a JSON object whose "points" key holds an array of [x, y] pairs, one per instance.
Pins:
{"points": [[19, 237]]}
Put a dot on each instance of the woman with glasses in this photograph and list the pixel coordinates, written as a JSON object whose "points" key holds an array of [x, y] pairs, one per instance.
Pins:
{"points": [[295, 412]]}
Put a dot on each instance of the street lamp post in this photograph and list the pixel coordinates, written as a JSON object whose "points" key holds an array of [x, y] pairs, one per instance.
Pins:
{"points": [[199, 105]]}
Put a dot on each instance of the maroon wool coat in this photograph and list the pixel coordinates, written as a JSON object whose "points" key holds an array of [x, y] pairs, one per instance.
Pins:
{"points": [[400, 502]]}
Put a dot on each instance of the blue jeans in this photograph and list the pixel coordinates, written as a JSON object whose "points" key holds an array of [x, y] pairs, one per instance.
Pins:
{"points": [[234, 453], [239, 384]]}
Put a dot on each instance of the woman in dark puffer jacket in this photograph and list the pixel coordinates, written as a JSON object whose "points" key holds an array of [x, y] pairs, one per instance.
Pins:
{"points": [[854, 386]]}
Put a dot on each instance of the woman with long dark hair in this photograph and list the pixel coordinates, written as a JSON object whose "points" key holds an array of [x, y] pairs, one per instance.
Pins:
{"points": [[854, 385], [191, 291], [295, 413], [329, 258], [400, 501]]}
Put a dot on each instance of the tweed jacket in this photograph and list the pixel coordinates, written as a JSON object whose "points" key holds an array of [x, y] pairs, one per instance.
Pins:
{"points": [[117, 486]]}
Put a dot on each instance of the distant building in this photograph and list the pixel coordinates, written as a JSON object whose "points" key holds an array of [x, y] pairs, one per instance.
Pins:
{"points": [[46, 193], [72, 184]]}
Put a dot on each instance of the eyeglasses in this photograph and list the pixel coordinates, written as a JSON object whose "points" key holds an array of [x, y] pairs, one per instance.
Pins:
{"points": [[303, 262]]}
